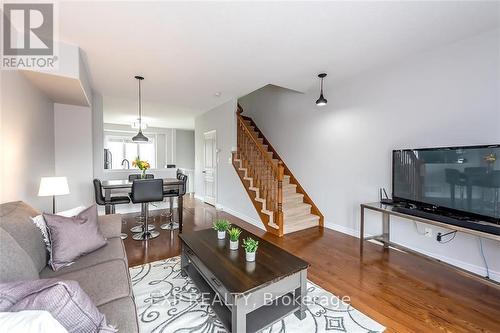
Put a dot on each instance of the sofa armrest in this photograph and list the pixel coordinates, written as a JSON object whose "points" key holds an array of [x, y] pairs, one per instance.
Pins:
{"points": [[110, 225]]}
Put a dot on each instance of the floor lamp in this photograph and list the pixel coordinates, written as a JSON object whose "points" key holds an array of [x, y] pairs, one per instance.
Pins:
{"points": [[52, 186]]}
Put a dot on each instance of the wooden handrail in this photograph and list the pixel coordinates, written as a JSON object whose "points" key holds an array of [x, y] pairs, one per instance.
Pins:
{"points": [[307, 199], [258, 144], [279, 213], [267, 176]]}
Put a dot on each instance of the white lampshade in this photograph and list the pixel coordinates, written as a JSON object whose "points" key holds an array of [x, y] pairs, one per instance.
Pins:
{"points": [[53, 186]]}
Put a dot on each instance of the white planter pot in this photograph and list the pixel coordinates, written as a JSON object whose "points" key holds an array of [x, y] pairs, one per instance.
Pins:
{"points": [[233, 245], [221, 234], [250, 256]]}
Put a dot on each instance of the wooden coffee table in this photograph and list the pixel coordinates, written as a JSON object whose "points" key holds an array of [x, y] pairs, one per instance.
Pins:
{"points": [[247, 297]]}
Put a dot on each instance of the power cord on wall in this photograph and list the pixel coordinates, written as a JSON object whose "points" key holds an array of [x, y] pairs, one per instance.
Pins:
{"points": [[440, 236], [484, 258]]}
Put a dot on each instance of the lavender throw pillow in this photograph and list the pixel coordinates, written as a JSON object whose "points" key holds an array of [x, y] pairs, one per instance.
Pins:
{"points": [[64, 300], [73, 237]]}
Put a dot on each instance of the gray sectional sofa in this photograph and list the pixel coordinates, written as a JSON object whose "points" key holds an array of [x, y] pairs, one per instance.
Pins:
{"points": [[102, 274]]}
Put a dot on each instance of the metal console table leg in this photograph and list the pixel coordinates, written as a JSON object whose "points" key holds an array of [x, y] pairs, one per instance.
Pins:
{"points": [[386, 227], [384, 238]]}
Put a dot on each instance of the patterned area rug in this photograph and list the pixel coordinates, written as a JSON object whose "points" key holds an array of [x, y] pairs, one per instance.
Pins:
{"points": [[168, 302]]}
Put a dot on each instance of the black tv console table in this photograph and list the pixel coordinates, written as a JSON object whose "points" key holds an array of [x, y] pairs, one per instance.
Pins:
{"points": [[385, 238]]}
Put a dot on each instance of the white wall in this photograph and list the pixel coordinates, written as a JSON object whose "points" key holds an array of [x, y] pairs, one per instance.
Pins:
{"points": [[184, 149], [73, 153], [27, 140], [231, 195], [341, 153]]}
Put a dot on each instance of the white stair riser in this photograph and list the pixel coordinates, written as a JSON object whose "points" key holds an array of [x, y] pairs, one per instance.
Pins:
{"points": [[292, 200], [302, 210], [289, 189], [294, 228]]}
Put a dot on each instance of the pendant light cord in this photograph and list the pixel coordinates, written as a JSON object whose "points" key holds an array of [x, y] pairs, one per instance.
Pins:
{"points": [[140, 107], [322, 86]]}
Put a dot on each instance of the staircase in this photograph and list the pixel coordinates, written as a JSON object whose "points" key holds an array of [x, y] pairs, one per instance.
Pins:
{"points": [[280, 201]]}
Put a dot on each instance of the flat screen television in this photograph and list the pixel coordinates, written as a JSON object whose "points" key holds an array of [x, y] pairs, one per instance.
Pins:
{"points": [[461, 180]]}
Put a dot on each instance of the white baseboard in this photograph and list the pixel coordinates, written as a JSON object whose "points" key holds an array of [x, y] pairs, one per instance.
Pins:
{"points": [[241, 216], [480, 270], [342, 229]]}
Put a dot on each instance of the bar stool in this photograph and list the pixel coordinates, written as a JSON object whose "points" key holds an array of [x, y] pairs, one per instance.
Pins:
{"points": [[115, 200], [100, 200], [145, 191], [171, 194], [140, 219], [172, 225]]}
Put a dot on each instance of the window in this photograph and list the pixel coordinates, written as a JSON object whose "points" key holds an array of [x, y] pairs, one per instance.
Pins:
{"points": [[122, 147]]}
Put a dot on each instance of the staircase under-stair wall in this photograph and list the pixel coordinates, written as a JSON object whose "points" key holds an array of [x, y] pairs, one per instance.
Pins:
{"points": [[280, 201]]}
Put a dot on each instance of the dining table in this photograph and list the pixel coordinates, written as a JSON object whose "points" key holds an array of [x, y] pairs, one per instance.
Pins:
{"points": [[124, 184]]}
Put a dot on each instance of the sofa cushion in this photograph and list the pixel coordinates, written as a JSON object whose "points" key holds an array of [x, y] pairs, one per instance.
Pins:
{"points": [[103, 282], [73, 237], [15, 218], [40, 223], [64, 300], [111, 251], [15, 264], [121, 313]]}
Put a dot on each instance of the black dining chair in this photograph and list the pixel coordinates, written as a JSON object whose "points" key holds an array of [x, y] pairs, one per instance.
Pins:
{"points": [[114, 200], [135, 176], [172, 225], [140, 218], [145, 191]]}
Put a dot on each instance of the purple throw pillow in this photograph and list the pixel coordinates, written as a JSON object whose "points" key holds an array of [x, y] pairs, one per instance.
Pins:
{"points": [[64, 300], [73, 237]]}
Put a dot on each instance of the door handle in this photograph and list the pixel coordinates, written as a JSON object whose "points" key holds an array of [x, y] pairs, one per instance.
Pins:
{"points": [[203, 171]]}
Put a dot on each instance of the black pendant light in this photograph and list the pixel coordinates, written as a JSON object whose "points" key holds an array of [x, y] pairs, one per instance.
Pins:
{"points": [[321, 100], [140, 137]]}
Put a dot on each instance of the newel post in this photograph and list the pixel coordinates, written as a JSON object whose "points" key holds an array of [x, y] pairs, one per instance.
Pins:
{"points": [[279, 219]]}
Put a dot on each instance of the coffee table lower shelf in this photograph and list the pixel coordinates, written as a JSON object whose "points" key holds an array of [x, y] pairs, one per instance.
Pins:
{"points": [[256, 320]]}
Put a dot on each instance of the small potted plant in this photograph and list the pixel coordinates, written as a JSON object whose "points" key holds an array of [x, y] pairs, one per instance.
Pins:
{"points": [[250, 245], [221, 226], [234, 235]]}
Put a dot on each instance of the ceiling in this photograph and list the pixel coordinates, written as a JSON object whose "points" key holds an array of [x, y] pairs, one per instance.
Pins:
{"points": [[189, 51]]}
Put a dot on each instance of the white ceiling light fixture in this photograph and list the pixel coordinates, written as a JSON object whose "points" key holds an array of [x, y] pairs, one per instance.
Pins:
{"points": [[140, 137], [143, 125]]}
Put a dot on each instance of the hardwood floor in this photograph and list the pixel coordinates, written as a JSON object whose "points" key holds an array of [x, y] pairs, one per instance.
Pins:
{"points": [[403, 292]]}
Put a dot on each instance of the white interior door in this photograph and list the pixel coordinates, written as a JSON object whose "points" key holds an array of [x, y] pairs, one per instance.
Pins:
{"points": [[210, 167]]}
